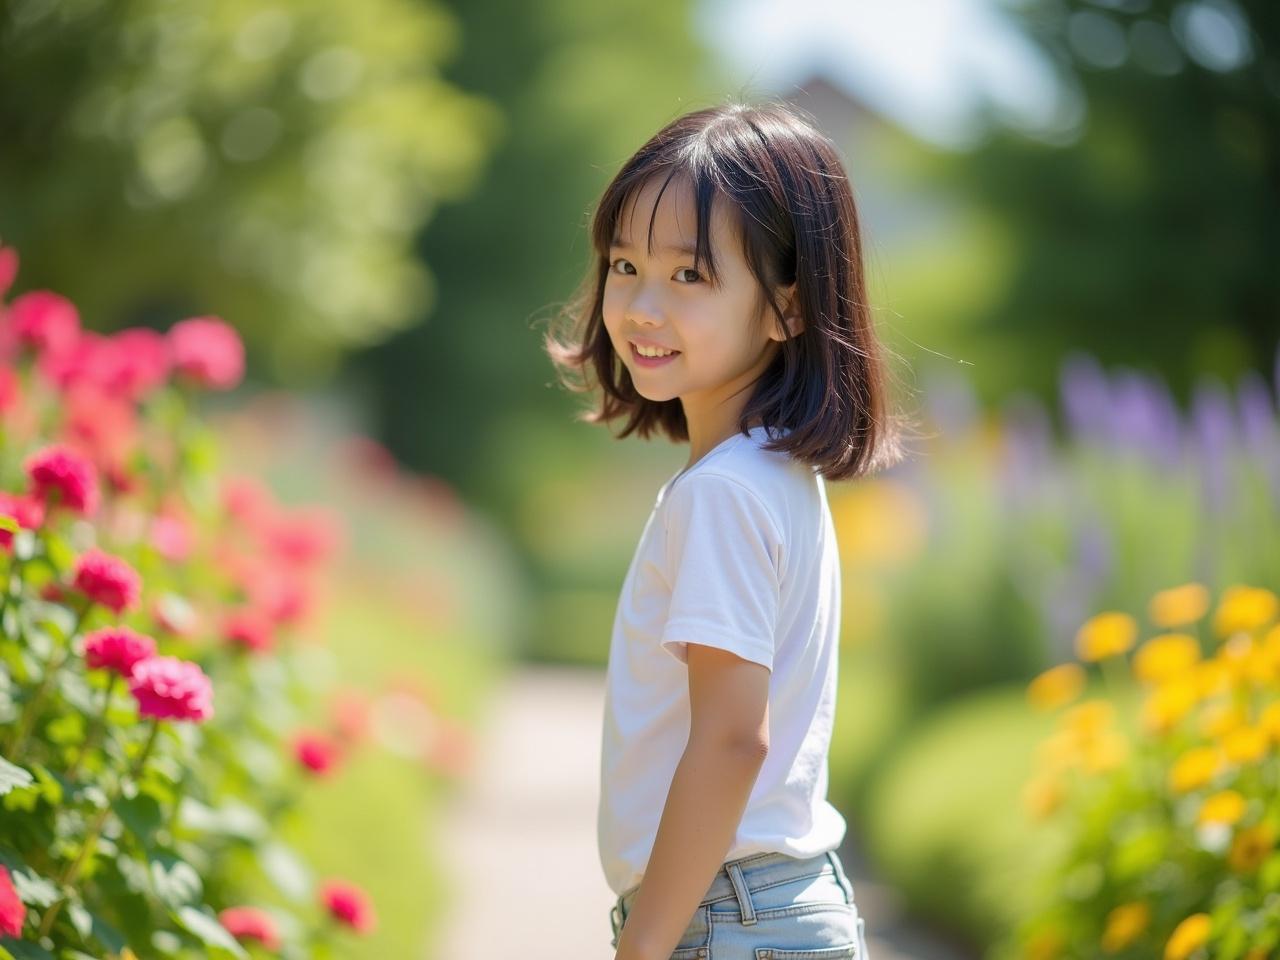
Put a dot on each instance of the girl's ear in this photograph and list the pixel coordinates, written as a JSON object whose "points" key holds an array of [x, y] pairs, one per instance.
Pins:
{"points": [[791, 311]]}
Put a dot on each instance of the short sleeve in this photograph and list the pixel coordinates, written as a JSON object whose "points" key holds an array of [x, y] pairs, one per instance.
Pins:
{"points": [[723, 554]]}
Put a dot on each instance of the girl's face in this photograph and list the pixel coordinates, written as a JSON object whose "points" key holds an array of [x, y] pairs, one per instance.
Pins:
{"points": [[663, 301]]}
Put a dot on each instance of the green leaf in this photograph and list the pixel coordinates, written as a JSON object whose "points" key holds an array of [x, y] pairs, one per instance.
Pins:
{"points": [[205, 926], [66, 729], [26, 950], [80, 918], [175, 881], [141, 816], [286, 870], [59, 552], [50, 786], [11, 776], [9, 524], [35, 890], [111, 939]]}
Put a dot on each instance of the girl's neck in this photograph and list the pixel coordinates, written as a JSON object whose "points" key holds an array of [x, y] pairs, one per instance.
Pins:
{"points": [[702, 444]]}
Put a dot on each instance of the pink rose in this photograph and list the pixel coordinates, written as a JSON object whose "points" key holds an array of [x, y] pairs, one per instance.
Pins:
{"points": [[27, 510], [45, 320], [171, 688], [117, 648], [348, 904], [208, 351], [171, 536], [133, 362], [316, 751], [304, 536], [59, 472], [8, 268], [249, 629], [75, 363], [12, 910], [250, 923], [107, 580], [9, 389]]}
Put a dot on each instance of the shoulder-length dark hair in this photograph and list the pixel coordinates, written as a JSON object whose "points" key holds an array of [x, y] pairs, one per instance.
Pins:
{"points": [[790, 196]]}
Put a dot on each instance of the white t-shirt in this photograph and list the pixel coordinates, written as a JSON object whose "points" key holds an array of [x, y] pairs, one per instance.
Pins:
{"points": [[739, 553]]}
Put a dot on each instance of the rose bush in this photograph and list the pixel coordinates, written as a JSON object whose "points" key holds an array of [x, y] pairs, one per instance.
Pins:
{"points": [[151, 619]]}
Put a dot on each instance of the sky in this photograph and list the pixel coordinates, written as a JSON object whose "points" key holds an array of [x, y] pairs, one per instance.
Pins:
{"points": [[925, 63]]}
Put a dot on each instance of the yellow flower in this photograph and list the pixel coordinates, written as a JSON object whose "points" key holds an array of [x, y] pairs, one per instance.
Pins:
{"points": [[1190, 935], [1266, 670], [1225, 806], [1165, 706], [1269, 721], [1194, 769], [1059, 750], [1250, 847], [1166, 656], [1236, 654], [1041, 796], [1088, 719], [1219, 719], [1178, 606], [1124, 925], [1105, 752], [1245, 744], [1212, 676], [1243, 609], [1106, 635], [880, 521], [1056, 686]]}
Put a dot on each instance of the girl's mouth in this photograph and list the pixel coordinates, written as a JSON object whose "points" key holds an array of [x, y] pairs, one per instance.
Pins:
{"points": [[652, 361]]}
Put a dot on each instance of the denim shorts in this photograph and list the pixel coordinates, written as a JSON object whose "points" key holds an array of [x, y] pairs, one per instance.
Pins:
{"points": [[770, 906]]}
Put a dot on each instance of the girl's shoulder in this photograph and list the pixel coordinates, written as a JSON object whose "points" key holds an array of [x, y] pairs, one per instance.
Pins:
{"points": [[780, 484]]}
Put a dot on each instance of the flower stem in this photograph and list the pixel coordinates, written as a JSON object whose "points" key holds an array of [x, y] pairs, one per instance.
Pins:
{"points": [[95, 828], [95, 729], [51, 669]]}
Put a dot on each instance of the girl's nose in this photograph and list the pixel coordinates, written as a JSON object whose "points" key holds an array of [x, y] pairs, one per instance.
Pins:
{"points": [[643, 308]]}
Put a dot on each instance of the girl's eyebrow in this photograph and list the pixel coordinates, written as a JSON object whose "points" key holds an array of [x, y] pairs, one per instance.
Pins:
{"points": [[686, 248]]}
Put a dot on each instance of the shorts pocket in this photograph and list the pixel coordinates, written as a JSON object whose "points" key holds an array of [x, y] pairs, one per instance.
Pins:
{"points": [[844, 952], [694, 944]]}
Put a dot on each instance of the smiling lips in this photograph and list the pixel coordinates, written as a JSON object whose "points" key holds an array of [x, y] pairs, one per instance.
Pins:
{"points": [[644, 361]]}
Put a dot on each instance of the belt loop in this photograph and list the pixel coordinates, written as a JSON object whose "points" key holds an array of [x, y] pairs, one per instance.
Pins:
{"points": [[834, 859], [734, 869]]}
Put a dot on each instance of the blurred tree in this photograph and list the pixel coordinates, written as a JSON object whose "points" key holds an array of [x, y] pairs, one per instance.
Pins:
{"points": [[1145, 229], [271, 163], [469, 393]]}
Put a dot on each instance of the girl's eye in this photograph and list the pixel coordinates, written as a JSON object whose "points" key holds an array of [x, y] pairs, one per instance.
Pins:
{"points": [[621, 260]]}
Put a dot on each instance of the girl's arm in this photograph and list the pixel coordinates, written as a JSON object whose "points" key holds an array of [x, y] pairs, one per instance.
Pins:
{"points": [[728, 741]]}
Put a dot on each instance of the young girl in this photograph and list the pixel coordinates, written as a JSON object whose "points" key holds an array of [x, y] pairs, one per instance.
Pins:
{"points": [[727, 308]]}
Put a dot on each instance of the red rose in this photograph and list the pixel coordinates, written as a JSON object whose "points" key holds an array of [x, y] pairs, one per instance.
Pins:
{"points": [[117, 648], [250, 923], [172, 689], [59, 475], [9, 390], [208, 351], [316, 751], [249, 629], [133, 362], [12, 910], [107, 580], [8, 268], [28, 511], [45, 320], [348, 904]]}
